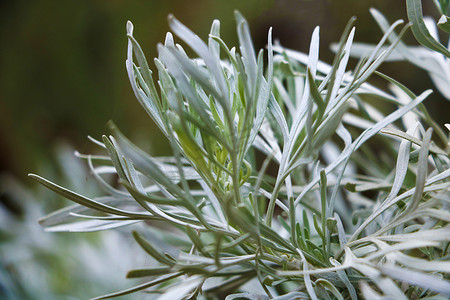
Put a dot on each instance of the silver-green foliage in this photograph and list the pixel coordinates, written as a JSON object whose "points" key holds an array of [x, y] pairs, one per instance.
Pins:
{"points": [[273, 189], [36, 265], [434, 63], [420, 30]]}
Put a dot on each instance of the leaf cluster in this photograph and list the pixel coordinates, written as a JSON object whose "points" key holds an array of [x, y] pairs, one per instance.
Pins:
{"points": [[273, 184]]}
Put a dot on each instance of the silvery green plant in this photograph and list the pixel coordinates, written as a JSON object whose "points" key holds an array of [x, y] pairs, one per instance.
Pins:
{"points": [[285, 181], [36, 265], [435, 63]]}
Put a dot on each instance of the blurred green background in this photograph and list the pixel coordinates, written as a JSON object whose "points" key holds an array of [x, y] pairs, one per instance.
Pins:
{"points": [[62, 77], [62, 63]]}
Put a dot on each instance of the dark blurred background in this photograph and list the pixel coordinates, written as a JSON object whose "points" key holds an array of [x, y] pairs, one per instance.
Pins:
{"points": [[62, 63]]}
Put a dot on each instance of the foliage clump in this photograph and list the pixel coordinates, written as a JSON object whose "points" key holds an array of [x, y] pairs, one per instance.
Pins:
{"points": [[274, 189]]}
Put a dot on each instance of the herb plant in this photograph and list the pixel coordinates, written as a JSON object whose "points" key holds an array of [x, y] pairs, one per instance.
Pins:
{"points": [[286, 181]]}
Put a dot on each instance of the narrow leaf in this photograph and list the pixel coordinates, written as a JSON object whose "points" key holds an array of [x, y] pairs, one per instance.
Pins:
{"points": [[151, 250]]}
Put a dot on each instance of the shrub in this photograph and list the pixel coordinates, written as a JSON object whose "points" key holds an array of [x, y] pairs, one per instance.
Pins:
{"points": [[285, 182]]}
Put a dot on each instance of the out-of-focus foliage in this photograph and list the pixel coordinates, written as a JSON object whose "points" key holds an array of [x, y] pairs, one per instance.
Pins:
{"points": [[435, 63], [36, 265]]}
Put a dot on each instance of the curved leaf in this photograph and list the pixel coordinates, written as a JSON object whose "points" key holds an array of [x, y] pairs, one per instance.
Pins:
{"points": [[419, 29]]}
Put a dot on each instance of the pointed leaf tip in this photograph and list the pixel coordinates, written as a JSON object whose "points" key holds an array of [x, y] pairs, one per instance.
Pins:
{"points": [[442, 20], [168, 42], [170, 18], [238, 15], [444, 23], [111, 125], [216, 23], [129, 28]]}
